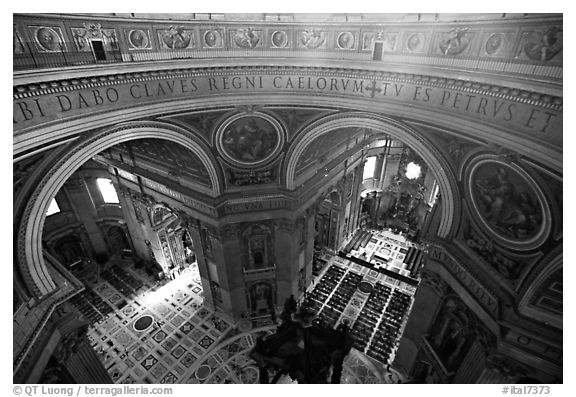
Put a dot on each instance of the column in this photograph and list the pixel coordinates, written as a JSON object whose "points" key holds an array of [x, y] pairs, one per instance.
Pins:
{"points": [[378, 170], [356, 201], [83, 207], [425, 306], [134, 222]]}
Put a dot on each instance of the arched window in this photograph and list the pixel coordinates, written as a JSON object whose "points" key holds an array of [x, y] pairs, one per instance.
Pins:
{"points": [[369, 168], [53, 208], [107, 190]]}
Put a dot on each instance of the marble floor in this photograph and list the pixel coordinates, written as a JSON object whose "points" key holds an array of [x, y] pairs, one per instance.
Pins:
{"points": [[149, 332]]}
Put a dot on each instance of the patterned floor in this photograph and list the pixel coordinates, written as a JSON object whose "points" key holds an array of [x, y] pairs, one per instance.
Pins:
{"points": [[160, 333]]}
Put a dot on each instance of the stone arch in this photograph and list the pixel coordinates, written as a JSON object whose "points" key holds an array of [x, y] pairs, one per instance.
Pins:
{"points": [[30, 258], [535, 285], [381, 124]]}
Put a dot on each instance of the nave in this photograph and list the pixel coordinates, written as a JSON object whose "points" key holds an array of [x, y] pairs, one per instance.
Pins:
{"points": [[147, 331]]}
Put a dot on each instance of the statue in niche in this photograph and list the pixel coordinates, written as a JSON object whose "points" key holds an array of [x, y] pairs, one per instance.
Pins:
{"points": [[261, 299], [452, 334], [506, 201], [249, 139], [257, 253]]}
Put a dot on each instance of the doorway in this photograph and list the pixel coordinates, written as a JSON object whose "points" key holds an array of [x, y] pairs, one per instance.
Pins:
{"points": [[98, 50]]}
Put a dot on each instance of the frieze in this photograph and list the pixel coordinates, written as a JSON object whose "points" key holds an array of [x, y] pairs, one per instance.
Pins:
{"points": [[195, 204], [491, 90], [246, 178], [434, 281], [485, 249], [484, 296], [256, 204], [536, 114]]}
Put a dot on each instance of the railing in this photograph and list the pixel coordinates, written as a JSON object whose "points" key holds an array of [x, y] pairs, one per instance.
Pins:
{"points": [[31, 59], [35, 60]]}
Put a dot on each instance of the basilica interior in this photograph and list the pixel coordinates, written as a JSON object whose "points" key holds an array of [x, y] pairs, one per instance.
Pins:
{"points": [[287, 198]]}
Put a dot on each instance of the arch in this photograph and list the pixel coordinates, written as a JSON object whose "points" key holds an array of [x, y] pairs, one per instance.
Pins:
{"points": [[525, 308], [395, 129], [30, 258]]}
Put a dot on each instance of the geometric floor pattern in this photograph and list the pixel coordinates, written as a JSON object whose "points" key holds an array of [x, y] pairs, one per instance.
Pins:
{"points": [[185, 342]]}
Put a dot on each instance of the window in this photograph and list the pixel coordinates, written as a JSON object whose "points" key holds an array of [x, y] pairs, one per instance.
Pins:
{"points": [[53, 208], [369, 167], [107, 190], [413, 171]]}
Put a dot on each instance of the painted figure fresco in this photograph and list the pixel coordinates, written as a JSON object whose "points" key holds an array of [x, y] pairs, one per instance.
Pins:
{"points": [[249, 139], [506, 201]]}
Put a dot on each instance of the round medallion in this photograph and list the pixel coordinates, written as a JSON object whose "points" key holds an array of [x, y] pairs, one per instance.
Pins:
{"points": [[249, 140], [249, 375], [346, 40], [143, 323], [212, 38], [415, 42], [203, 372], [48, 38], [493, 43], [509, 203], [138, 38], [279, 39]]}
